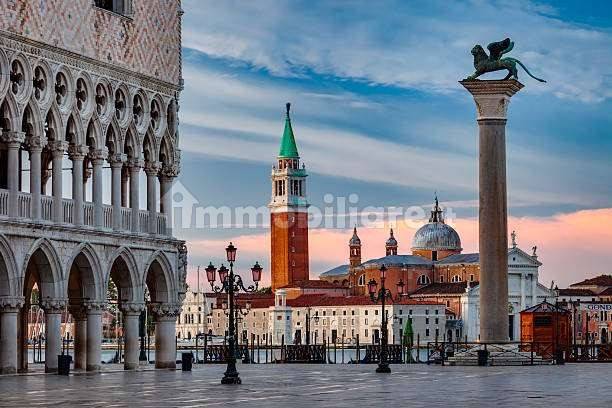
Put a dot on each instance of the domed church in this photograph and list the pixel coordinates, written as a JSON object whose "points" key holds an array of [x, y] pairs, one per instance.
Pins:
{"points": [[437, 270]]}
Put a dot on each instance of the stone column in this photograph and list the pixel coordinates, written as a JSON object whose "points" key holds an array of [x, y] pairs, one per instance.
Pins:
{"points": [[125, 178], [166, 179], [492, 99], [36, 144], [152, 170], [116, 162], [131, 321], [165, 334], [94, 335], [13, 141], [9, 309], [53, 335], [135, 166], [97, 160], [57, 150], [77, 154], [79, 317]]}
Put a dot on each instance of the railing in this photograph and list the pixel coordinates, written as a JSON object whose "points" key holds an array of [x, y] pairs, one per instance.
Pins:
{"points": [[589, 353], [24, 205], [471, 353], [4, 204]]}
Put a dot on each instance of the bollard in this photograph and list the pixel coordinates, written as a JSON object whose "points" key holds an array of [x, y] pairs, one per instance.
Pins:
{"points": [[187, 361], [63, 364]]}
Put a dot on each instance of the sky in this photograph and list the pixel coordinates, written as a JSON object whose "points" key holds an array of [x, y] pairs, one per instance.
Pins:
{"points": [[382, 123]]}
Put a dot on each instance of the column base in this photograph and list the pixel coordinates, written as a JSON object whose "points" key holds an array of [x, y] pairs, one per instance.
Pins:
{"points": [[165, 364], [93, 367], [8, 370], [130, 366]]}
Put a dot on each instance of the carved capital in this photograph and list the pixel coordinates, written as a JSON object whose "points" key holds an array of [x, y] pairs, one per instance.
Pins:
{"points": [[97, 156], [36, 142], [166, 310], [53, 306], [132, 307], [58, 147], [117, 160], [152, 168], [77, 152], [93, 307], [11, 304], [78, 312], [12, 138], [134, 164], [492, 97], [170, 171]]}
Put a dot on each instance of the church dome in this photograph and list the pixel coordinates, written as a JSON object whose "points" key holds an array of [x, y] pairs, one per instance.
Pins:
{"points": [[436, 235]]}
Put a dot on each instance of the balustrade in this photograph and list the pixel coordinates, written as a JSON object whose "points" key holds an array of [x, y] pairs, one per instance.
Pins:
{"points": [[24, 206]]}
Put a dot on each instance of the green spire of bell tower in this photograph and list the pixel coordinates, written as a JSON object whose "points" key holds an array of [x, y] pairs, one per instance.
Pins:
{"points": [[288, 148]]}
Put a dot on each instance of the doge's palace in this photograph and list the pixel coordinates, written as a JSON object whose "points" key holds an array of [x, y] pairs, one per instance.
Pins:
{"points": [[88, 155]]}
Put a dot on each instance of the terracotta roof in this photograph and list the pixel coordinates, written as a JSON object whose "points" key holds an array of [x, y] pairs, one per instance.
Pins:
{"points": [[323, 300], [601, 280], [314, 284], [607, 292], [575, 292], [448, 288]]}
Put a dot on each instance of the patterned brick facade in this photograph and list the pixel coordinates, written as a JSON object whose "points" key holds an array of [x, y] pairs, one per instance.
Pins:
{"points": [[147, 42], [289, 236]]}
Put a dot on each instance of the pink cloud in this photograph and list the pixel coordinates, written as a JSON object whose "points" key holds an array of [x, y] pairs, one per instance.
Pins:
{"points": [[571, 246]]}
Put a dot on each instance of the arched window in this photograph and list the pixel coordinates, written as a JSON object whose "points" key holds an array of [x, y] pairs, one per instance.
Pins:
{"points": [[423, 280], [123, 7], [456, 279], [361, 280]]}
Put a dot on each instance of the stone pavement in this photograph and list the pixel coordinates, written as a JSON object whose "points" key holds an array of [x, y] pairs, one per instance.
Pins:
{"points": [[321, 386]]}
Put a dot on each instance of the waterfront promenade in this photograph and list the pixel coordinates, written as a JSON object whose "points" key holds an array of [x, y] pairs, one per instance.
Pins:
{"points": [[320, 386]]}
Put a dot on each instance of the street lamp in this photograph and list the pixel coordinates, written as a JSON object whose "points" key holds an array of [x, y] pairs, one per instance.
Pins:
{"points": [[308, 318], [232, 283], [558, 351], [382, 295]]}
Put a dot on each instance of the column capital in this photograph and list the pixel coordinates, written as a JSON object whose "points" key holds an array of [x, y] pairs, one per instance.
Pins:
{"points": [[57, 147], [77, 152], [97, 156], [36, 142], [166, 310], [492, 97], [53, 306], [11, 304], [93, 307], [169, 171], [152, 168], [78, 312], [13, 137], [135, 164], [117, 159], [133, 308]]}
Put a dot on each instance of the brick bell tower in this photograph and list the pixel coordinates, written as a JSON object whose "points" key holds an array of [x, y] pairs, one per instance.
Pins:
{"points": [[289, 214]]}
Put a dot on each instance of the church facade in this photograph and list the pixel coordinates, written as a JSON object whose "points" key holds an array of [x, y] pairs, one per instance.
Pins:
{"points": [[438, 270]]}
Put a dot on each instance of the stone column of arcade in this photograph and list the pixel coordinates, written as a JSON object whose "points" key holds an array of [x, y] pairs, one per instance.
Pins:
{"points": [[9, 308], [13, 141], [116, 162], [131, 321], [165, 332], [79, 315], [36, 144], [492, 99], [94, 335], [53, 336]]}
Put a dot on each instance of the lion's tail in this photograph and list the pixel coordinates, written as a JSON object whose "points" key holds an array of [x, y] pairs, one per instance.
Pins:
{"points": [[525, 68]]}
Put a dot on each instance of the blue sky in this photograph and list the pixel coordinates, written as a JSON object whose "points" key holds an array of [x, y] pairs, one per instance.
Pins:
{"points": [[377, 109]]}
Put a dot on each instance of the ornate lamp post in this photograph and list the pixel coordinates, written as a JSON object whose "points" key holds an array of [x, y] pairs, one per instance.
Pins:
{"points": [[382, 295], [308, 319], [231, 283], [239, 314]]}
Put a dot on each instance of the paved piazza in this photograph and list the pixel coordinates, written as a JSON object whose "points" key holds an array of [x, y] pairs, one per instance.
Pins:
{"points": [[321, 385]]}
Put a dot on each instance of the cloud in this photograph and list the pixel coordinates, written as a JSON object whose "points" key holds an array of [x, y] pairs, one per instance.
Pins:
{"points": [[571, 246], [418, 45]]}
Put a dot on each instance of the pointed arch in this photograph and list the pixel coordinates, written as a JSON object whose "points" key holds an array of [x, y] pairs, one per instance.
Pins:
{"points": [[123, 269], [31, 122], [93, 133], [10, 284], [74, 131], [86, 263], [149, 147], [44, 258], [54, 125], [9, 113], [131, 144], [166, 151], [158, 278], [112, 138]]}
